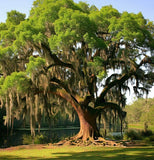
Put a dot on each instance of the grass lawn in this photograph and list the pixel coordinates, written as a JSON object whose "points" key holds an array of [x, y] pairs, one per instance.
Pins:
{"points": [[140, 126], [78, 153]]}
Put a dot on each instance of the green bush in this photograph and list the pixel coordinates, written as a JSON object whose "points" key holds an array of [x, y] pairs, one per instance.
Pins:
{"points": [[117, 137], [114, 137], [139, 135], [27, 139], [147, 139], [38, 139], [152, 137], [146, 133], [41, 139], [132, 135]]}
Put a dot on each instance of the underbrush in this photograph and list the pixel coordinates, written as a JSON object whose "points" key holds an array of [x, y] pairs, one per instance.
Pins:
{"points": [[146, 136], [39, 139], [115, 137], [132, 134]]}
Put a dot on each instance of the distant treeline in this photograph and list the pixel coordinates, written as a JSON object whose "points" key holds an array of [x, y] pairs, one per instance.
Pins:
{"points": [[141, 111]]}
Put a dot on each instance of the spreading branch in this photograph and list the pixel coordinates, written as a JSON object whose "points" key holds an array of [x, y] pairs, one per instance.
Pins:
{"points": [[57, 61], [118, 81], [112, 106]]}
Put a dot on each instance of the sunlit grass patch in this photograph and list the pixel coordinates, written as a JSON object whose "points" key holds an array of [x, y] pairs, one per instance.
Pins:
{"points": [[79, 152]]}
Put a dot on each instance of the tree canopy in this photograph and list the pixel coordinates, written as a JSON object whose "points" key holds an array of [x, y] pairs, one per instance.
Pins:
{"points": [[67, 50]]}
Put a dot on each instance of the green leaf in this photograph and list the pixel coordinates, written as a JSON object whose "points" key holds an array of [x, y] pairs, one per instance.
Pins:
{"points": [[35, 64], [16, 82]]}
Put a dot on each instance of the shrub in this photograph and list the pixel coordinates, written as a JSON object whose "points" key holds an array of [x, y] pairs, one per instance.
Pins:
{"points": [[146, 133], [132, 135], [27, 139], [152, 137], [117, 137], [38, 139], [114, 137], [147, 139], [41, 139], [139, 135]]}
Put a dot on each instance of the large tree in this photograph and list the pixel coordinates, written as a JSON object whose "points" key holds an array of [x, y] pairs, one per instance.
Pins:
{"points": [[68, 50]]}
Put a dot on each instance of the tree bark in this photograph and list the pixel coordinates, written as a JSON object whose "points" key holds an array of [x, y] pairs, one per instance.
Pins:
{"points": [[88, 127], [86, 114]]}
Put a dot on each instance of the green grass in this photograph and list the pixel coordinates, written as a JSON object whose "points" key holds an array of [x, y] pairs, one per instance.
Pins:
{"points": [[80, 153], [140, 126]]}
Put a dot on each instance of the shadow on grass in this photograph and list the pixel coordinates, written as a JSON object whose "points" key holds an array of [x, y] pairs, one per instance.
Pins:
{"points": [[114, 154]]}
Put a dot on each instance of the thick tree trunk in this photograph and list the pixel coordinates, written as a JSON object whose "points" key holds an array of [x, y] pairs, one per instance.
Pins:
{"points": [[88, 126], [87, 116]]}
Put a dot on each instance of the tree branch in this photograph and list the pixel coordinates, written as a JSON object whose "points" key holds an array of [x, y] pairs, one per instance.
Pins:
{"points": [[146, 60], [60, 83], [119, 81], [65, 87], [65, 95], [123, 78], [57, 61], [110, 105]]}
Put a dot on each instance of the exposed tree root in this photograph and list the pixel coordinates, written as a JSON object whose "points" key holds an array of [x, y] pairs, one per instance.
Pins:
{"points": [[79, 142]]}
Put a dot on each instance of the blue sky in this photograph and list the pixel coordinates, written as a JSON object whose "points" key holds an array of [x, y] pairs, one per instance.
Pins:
{"points": [[144, 6], [135, 6]]}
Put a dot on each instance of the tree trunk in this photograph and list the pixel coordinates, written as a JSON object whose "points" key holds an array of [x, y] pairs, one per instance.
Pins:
{"points": [[87, 116], [88, 126]]}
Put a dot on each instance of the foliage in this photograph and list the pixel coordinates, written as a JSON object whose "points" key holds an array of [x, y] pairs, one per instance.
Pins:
{"points": [[65, 50], [41, 139], [114, 137], [16, 81], [141, 111], [146, 133], [27, 139], [128, 26], [131, 135], [96, 65], [38, 139], [151, 138], [138, 135], [14, 18], [35, 65]]}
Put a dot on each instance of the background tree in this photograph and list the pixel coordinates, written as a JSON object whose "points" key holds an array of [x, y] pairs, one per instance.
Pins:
{"points": [[141, 111], [66, 50]]}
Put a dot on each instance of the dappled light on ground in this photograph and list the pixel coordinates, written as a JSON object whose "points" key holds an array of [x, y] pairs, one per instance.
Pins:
{"points": [[82, 153]]}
